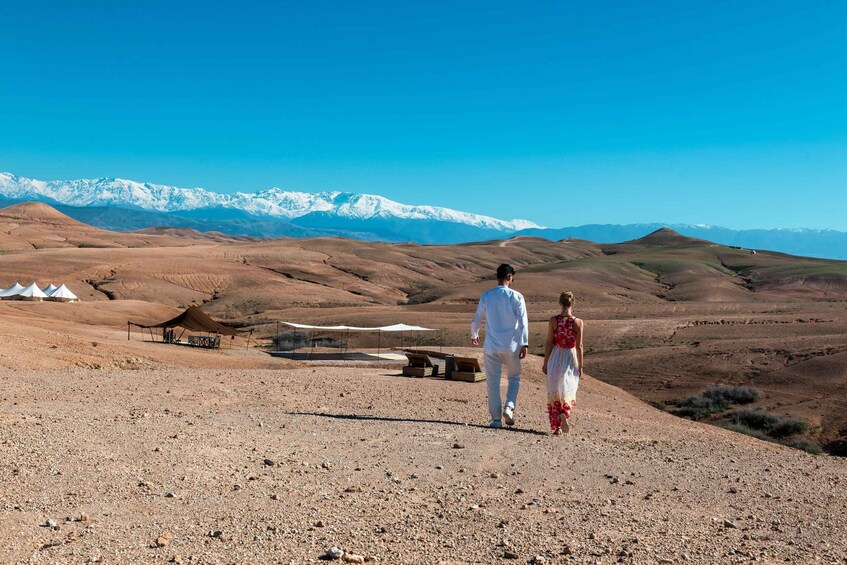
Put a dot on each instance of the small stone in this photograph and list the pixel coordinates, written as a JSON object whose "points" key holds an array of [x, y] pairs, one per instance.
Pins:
{"points": [[319, 524], [51, 523], [550, 510], [538, 559], [439, 467], [164, 539], [170, 495], [509, 554], [352, 558], [217, 534], [82, 517], [494, 476], [274, 496], [730, 524], [269, 462], [566, 550], [334, 553], [458, 446], [325, 465]]}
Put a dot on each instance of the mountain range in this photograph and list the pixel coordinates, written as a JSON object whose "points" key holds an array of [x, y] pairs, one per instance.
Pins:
{"points": [[126, 205]]}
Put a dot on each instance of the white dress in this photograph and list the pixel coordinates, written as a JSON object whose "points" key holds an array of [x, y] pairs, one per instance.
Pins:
{"points": [[562, 372]]}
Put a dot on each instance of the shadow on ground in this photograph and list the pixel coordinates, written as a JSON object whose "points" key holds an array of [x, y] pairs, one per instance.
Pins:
{"points": [[359, 417]]}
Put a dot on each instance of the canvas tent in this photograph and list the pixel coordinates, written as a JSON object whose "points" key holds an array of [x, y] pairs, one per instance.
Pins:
{"points": [[62, 294], [32, 293], [13, 290], [49, 289], [193, 319]]}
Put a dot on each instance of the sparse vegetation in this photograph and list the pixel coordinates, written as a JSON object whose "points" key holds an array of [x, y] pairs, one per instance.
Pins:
{"points": [[773, 425], [714, 400]]}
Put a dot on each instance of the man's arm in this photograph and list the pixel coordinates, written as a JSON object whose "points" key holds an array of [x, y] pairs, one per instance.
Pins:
{"points": [[476, 324], [523, 326]]}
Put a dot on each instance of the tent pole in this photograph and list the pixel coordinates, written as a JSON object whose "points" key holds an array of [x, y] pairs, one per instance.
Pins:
{"points": [[127, 331], [277, 336], [378, 343]]}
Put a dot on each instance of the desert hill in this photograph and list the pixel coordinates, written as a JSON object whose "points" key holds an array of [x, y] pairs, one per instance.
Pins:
{"points": [[668, 315]]}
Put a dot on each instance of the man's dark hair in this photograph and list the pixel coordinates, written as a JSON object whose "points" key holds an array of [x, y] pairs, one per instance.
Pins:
{"points": [[504, 271]]}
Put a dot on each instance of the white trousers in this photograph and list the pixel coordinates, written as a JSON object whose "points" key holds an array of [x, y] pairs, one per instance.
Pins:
{"points": [[494, 365]]}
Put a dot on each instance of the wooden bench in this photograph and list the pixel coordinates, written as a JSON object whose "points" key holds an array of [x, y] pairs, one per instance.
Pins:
{"points": [[420, 365], [467, 369]]}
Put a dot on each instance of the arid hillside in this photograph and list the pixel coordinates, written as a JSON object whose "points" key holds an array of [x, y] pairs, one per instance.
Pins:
{"points": [[668, 316]]}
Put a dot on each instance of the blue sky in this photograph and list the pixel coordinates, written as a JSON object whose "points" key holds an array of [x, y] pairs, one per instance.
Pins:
{"points": [[565, 113]]}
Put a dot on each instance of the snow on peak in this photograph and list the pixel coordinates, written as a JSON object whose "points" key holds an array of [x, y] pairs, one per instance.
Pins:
{"points": [[274, 202]]}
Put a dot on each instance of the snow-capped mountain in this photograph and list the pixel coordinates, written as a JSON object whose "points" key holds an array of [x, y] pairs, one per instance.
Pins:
{"points": [[271, 203]]}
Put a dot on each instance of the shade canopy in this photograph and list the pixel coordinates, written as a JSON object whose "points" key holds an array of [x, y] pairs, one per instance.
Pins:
{"points": [[50, 289], [393, 328], [194, 319]]}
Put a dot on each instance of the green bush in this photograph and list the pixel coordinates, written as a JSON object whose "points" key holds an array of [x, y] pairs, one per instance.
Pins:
{"points": [[715, 399], [806, 445], [774, 425]]}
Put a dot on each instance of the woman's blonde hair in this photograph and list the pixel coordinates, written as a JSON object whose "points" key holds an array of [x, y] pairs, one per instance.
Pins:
{"points": [[566, 299]]}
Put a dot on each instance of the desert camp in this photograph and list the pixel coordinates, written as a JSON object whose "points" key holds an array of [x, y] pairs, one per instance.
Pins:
{"points": [[33, 293]]}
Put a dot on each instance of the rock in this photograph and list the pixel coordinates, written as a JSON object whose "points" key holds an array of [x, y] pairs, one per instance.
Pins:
{"points": [[269, 462], [170, 495], [494, 476], [51, 523], [352, 558], [164, 539], [82, 517], [509, 554], [439, 467], [730, 524], [566, 550], [217, 534], [325, 465], [319, 524], [538, 559], [458, 446], [334, 553]]}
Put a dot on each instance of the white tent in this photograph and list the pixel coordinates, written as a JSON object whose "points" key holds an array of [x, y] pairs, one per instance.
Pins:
{"points": [[63, 294], [393, 328], [13, 290], [32, 292], [49, 289]]}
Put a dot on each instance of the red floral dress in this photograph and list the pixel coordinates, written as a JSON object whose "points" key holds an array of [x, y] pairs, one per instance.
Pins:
{"points": [[562, 372]]}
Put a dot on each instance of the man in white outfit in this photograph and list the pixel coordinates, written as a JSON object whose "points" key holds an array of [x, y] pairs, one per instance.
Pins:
{"points": [[506, 342]]}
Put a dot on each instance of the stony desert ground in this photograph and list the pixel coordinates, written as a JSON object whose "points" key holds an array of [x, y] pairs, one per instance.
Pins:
{"points": [[127, 451], [278, 466]]}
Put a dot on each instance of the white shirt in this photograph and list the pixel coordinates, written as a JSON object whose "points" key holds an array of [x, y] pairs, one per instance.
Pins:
{"points": [[506, 326]]}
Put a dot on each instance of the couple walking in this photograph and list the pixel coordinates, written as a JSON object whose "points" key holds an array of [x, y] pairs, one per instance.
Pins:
{"points": [[507, 341]]}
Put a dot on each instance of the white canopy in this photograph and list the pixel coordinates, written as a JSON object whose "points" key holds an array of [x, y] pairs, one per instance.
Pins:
{"points": [[63, 292], [394, 328], [13, 290], [49, 289], [32, 291]]}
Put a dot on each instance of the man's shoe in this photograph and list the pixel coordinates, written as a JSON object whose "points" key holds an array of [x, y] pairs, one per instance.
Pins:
{"points": [[509, 415], [496, 424]]}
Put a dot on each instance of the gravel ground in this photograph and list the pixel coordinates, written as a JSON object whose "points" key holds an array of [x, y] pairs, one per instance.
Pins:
{"points": [[262, 466]]}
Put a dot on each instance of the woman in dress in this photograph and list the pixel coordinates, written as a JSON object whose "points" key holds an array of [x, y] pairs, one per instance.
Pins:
{"points": [[563, 363]]}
